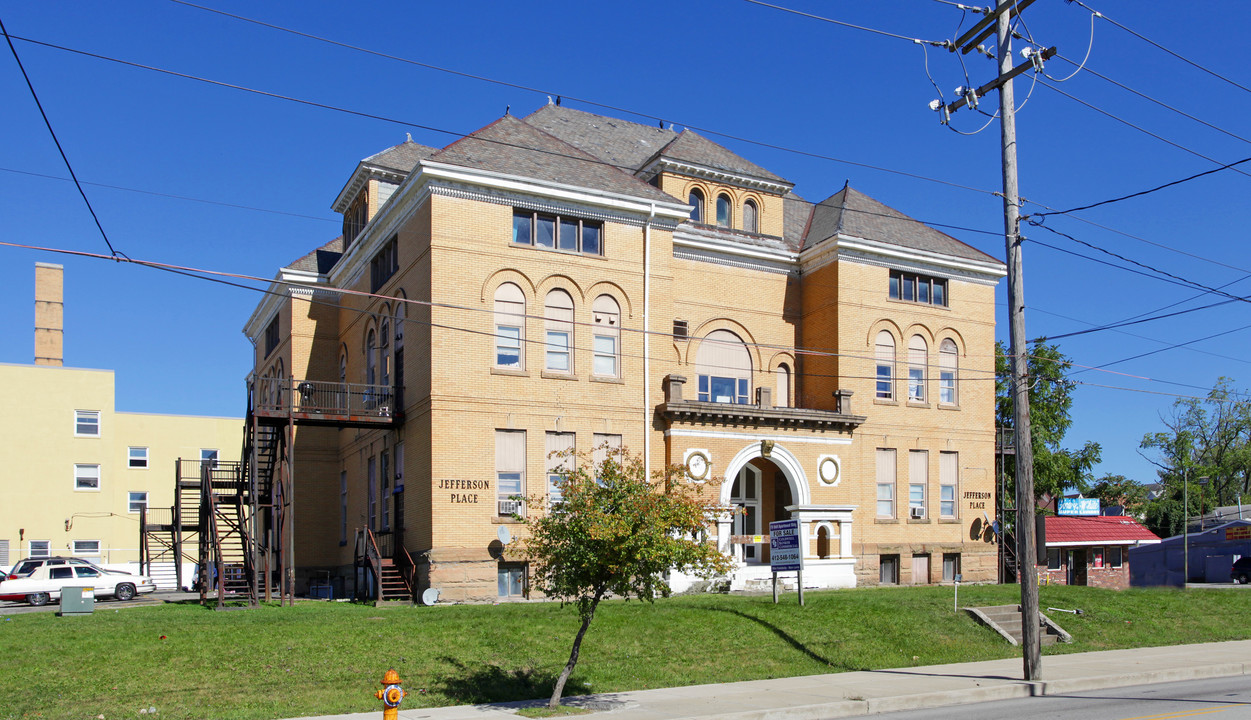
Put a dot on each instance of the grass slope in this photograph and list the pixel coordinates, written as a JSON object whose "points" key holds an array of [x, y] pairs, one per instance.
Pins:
{"points": [[324, 658]]}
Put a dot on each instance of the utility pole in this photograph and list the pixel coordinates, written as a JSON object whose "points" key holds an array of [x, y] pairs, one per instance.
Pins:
{"points": [[1001, 16]]}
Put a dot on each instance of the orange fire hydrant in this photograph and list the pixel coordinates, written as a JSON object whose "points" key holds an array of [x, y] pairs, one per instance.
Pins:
{"points": [[391, 695]]}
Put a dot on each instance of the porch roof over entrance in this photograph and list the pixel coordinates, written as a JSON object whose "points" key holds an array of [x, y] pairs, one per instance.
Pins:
{"points": [[715, 413]]}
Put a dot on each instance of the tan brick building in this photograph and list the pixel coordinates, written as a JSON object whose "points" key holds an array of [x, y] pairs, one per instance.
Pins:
{"points": [[571, 280]]}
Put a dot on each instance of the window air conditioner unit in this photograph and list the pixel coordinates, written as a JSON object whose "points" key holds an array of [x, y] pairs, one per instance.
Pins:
{"points": [[510, 507], [918, 513]]}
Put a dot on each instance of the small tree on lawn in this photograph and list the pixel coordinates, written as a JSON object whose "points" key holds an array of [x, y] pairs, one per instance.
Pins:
{"points": [[616, 532]]}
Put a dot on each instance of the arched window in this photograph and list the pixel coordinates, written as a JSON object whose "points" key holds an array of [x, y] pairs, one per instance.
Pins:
{"points": [[783, 396], [823, 541], [558, 314], [948, 364], [885, 356], [384, 351], [510, 326], [723, 211], [696, 201], [606, 326], [917, 360], [750, 223], [371, 357], [723, 365]]}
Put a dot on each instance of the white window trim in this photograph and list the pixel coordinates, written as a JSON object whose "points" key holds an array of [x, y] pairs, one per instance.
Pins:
{"points": [[99, 477], [75, 552], [130, 501], [147, 460], [99, 423]]}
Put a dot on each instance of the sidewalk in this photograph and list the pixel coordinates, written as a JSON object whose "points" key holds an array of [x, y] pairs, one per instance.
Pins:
{"points": [[815, 697]]}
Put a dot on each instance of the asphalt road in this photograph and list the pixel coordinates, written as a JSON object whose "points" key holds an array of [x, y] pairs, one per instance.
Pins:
{"points": [[1227, 698]]}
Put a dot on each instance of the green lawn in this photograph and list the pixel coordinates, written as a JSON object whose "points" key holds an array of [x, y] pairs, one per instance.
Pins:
{"points": [[321, 658]]}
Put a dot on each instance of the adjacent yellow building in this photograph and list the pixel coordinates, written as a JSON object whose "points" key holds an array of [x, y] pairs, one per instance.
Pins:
{"points": [[76, 472], [568, 280]]}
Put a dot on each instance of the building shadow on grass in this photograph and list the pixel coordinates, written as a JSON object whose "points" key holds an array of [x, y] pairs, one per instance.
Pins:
{"points": [[471, 685], [835, 666]]}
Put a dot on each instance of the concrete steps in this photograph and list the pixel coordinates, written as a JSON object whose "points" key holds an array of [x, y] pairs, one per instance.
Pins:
{"points": [[1006, 620]]}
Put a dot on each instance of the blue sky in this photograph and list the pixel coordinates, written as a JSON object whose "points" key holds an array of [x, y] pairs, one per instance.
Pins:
{"points": [[261, 172]]}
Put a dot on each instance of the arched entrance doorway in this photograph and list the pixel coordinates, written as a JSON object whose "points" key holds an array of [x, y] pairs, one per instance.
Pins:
{"points": [[759, 488]]}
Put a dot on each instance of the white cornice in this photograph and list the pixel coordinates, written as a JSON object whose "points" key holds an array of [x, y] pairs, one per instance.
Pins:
{"points": [[289, 282], [682, 167], [706, 248], [871, 252], [363, 173], [673, 209]]}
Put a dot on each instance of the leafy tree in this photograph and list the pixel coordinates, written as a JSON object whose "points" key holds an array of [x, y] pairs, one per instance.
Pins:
{"points": [[1120, 490], [616, 532], [1203, 439], [1050, 403]]}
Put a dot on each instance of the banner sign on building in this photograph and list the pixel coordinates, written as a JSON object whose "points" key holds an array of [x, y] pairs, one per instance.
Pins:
{"points": [[1078, 506], [785, 553], [1238, 532]]}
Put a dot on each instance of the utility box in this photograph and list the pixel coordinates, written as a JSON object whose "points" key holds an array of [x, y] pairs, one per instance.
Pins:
{"points": [[77, 601]]}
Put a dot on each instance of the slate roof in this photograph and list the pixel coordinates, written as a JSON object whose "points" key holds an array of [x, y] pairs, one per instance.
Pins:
{"points": [[619, 142], [695, 148], [514, 147], [1113, 529], [403, 157], [851, 212], [322, 259]]}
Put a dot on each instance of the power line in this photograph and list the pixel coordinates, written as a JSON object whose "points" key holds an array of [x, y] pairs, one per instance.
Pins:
{"points": [[170, 195], [845, 24], [1149, 41], [56, 141], [1062, 316], [1139, 128]]}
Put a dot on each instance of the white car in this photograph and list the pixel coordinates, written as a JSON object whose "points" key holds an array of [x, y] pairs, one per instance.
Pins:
{"points": [[44, 583]]}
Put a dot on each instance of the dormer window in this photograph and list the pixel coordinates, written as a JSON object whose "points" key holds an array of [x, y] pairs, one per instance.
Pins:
{"points": [[354, 219], [750, 212], [557, 232], [696, 201]]}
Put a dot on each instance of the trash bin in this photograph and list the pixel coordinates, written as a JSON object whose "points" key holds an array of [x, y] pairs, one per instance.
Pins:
{"points": [[77, 601]]}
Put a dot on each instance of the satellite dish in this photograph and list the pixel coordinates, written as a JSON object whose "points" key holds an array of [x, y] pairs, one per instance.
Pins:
{"points": [[504, 535], [430, 596]]}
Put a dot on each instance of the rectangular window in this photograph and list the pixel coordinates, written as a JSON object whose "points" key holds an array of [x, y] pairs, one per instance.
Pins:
{"points": [[1053, 558], [886, 482], [948, 483], [951, 566], [557, 232], [86, 477], [917, 288], [604, 445], [384, 265], [1114, 558], [512, 581], [137, 457], [85, 548], [271, 336], [208, 455], [384, 478], [4, 553], [507, 346], [87, 423], [343, 507], [722, 389], [558, 351], [947, 386], [916, 383], [40, 548], [605, 356], [560, 461], [371, 491], [918, 480], [1096, 558], [888, 569], [136, 501], [510, 470]]}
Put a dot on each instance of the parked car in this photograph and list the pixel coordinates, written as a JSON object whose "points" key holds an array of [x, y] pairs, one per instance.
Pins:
{"points": [[44, 583], [29, 565], [1241, 571]]}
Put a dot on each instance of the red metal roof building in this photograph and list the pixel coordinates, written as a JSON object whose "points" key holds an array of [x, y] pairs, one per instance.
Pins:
{"points": [[1092, 550]]}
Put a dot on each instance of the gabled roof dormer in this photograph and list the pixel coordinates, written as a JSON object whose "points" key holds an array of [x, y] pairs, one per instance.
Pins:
{"points": [[372, 183]]}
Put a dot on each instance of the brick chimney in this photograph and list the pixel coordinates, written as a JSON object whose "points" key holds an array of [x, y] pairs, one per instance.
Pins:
{"points": [[49, 314]]}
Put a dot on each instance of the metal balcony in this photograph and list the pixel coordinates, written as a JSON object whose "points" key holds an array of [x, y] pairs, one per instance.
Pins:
{"points": [[317, 402]]}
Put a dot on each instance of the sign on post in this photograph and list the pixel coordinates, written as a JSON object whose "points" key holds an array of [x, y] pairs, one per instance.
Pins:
{"points": [[786, 553]]}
